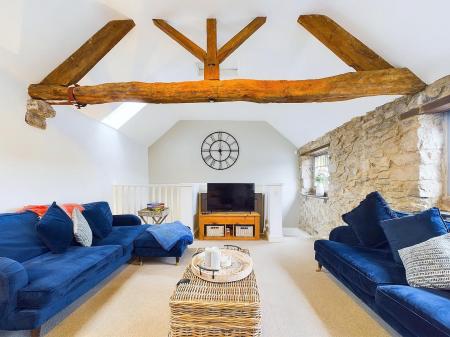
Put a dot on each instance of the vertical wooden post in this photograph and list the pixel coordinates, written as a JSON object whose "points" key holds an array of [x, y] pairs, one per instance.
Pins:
{"points": [[211, 71]]}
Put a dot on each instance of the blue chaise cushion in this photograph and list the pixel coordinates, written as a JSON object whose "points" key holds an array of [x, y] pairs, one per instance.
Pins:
{"points": [[55, 229], [168, 234], [100, 218], [123, 236], [411, 230], [365, 219], [19, 239], [424, 312], [53, 276]]}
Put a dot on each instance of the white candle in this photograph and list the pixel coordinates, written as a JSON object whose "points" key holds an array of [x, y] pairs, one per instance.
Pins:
{"points": [[215, 258], [208, 257]]}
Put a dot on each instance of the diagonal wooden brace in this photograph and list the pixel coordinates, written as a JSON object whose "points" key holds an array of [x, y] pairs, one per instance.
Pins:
{"points": [[212, 57]]}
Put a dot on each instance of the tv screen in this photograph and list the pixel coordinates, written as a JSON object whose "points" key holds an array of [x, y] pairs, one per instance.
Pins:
{"points": [[230, 198]]}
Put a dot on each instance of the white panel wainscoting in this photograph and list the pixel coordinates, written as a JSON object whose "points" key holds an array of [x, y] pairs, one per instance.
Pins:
{"points": [[182, 200], [129, 199]]}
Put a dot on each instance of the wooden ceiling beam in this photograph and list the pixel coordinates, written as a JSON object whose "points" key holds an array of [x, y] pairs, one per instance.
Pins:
{"points": [[240, 38], [437, 106], [347, 47], [185, 42], [89, 54], [211, 66], [337, 88]]}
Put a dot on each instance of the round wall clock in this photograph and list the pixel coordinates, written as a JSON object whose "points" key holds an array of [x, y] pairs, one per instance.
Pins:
{"points": [[220, 150]]}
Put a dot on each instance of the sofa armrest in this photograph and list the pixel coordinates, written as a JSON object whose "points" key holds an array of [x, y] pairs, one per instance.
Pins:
{"points": [[126, 220], [344, 234], [13, 277]]}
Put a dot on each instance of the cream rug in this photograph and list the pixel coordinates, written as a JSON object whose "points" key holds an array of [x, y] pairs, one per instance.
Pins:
{"points": [[297, 301]]}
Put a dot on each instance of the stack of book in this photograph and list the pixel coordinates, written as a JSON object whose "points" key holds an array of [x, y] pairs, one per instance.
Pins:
{"points": [[156, 206]]}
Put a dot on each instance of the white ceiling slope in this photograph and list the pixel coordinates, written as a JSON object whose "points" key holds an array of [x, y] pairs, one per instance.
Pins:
{"points": [[38, 35]]}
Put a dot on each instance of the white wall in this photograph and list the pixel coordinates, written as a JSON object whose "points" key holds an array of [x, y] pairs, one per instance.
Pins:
{"points": [[77, 159], [265, 157]]}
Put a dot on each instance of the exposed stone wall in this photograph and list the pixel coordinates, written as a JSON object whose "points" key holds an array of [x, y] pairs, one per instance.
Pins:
{"points": [[403, 159]]}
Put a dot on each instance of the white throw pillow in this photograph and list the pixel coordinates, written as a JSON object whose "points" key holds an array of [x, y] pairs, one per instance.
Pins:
{"points": [[81, 229], [427, 264]]}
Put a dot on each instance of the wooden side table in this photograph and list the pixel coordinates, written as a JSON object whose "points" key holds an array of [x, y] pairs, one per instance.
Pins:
{"points": [[158, 217]]}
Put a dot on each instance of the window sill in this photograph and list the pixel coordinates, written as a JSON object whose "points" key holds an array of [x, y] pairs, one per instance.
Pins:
{"points": [[310, 195]]}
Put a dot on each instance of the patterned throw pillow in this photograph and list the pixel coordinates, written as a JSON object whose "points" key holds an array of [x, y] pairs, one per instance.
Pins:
{"points": [[81, 229], [427, 264]]}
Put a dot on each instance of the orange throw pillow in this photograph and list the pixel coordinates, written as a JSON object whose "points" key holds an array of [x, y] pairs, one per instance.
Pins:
{"points": [[40, 210], [70, 207]]}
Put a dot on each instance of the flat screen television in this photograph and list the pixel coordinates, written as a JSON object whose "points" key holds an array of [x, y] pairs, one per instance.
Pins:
{"points": [[222, 197]]}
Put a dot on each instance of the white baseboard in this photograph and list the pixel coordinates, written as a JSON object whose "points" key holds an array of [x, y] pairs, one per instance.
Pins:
{"points": [[292, 231]]}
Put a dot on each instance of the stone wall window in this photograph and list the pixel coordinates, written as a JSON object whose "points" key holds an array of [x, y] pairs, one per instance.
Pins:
{"points": [[315, 171], [321, 173]]}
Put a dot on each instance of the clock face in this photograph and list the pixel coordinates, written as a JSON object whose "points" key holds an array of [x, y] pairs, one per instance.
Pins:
{"points": [[220, 150]]}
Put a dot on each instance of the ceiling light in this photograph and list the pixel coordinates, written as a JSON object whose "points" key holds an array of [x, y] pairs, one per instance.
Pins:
{"points": [[122, 114]]}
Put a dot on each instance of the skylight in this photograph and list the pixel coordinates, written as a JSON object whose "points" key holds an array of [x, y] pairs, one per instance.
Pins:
{"points": [[118, 117]]}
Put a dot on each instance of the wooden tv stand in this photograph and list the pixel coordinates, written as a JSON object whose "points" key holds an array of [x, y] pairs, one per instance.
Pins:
{"points": [[230, 220]]}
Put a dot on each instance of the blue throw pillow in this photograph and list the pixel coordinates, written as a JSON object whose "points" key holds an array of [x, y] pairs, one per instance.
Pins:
{"points": [[19, 239], [365, 219], [99, 218], [411, 230], [55, 229]]}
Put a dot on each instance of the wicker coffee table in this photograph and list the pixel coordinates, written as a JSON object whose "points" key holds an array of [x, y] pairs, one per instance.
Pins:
{"points": [[202, 308]]}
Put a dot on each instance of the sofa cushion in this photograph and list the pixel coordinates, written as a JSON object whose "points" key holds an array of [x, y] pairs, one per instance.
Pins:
{"points": [[365, 219], [427, 264], [55, 229], [51, 276], [19, 239], [411, 230], [100, 219], [123, 236], [365, 268], [424, 312], [81, 229]]}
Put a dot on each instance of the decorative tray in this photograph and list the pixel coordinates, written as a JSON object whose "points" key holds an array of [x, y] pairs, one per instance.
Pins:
{"points": [[241, 266]]}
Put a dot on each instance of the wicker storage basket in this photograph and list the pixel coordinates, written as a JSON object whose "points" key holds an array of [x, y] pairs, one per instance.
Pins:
{"points": [[206, 309]]}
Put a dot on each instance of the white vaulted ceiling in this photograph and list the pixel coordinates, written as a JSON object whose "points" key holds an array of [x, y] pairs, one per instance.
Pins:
{"points": [[38, 35]]}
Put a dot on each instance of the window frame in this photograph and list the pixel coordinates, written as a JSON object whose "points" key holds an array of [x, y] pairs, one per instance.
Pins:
{"points": [[308, 174], [324, 153]]}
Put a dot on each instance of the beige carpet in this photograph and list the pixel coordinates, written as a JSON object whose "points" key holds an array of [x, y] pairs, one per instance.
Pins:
{"points": [[297, 301]]}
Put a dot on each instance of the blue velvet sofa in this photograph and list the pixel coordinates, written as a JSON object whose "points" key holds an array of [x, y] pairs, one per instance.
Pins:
{"points": [[373, 276], [35, 283]]}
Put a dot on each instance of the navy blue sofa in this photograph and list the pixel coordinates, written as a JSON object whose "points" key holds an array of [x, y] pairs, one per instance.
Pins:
{"points": [[373, 276], [35, 284]]}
